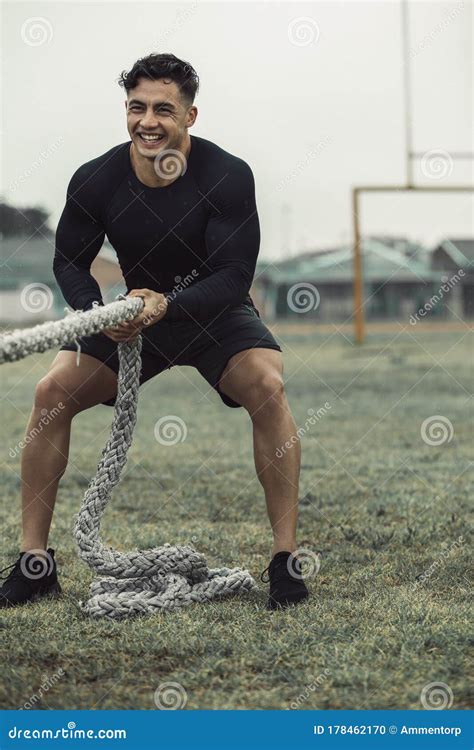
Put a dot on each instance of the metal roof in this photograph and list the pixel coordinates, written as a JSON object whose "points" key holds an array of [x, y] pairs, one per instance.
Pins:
{"points": [[380, 262], [31, 259], [460, 250]]}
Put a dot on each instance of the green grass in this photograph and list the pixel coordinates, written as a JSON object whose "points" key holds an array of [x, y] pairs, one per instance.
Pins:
{"points": [[377, 503]]}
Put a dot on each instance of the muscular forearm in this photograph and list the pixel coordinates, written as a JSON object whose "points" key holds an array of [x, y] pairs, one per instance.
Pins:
{"points": [[78, 286], [206, 299]]}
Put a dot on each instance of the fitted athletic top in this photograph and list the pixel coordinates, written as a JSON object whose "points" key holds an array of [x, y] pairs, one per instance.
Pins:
{"points": [[196, 240]]}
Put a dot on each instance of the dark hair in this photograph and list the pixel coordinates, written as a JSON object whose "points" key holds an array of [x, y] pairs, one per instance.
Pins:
{"points": [[163, 66]]}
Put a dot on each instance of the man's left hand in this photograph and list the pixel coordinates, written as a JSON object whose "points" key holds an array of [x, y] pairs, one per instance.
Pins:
{"points": [[154, 310], [155, 306]]}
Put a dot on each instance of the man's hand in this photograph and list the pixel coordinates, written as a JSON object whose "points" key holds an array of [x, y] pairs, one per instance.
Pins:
{"points": [[154, 310]]}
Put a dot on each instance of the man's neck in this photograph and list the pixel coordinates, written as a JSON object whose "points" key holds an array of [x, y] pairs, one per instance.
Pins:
{"points": [[145, 168]]}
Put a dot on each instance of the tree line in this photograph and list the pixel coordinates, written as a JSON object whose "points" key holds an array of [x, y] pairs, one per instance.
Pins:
{"points": [[23, 222]]}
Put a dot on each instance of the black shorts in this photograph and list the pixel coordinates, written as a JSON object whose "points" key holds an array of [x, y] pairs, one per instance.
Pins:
{"points": [[207, 346]]}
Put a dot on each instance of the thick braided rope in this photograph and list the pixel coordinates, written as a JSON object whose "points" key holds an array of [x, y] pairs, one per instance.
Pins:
{"points": [[21, 342], [141, 581]]}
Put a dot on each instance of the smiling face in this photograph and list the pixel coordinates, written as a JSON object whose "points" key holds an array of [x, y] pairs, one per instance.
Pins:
{"points": [[158, 117]]}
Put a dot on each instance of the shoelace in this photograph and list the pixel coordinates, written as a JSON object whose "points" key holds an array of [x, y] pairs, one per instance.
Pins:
{"points": [[15, 570], [279, 571], [9, 567]]}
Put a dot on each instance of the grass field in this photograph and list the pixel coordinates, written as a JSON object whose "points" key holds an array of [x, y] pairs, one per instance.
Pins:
{"points": [[386, 511]]}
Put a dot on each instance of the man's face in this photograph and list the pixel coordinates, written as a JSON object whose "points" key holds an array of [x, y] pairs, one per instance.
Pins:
{"points": [[155, 109]]}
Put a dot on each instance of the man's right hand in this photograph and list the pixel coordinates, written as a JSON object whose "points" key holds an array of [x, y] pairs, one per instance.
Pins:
{"points": [[127, 331]]}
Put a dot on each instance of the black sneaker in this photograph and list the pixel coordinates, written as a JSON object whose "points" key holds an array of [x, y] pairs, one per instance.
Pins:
{"points": [[31, 577], [287, 587]]}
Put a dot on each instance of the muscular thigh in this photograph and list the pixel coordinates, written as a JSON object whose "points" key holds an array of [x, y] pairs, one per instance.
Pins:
{"points": [[84, 385], [247, 368]]}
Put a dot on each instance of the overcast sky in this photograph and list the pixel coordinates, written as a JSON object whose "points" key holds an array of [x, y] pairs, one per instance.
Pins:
{"points": [[309, 94]]}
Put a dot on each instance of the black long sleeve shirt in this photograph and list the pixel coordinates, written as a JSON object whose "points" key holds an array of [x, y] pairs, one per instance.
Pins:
{"points": [[196, 240]]}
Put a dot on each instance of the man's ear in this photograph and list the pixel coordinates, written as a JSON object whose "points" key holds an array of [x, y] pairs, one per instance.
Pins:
{"points": [[192, 115]]}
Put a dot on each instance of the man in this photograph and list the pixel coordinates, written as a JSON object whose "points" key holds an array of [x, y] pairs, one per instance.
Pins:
{"points": [[180, 213]]}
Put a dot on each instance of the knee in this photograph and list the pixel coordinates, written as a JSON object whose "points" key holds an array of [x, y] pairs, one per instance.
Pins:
{"points": [[52, 394], [268, 392]]}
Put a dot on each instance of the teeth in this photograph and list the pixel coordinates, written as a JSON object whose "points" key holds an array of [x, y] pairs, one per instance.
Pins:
{"points": [[151, 137]]}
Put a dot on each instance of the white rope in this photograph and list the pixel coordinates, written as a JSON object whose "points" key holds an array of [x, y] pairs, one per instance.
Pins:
{"points": [[21, 342], [141, 581]]}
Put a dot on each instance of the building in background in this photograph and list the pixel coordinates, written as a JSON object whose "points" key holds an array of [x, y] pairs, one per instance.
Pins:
{"points": [[453, 255], [400, 277], [29, 292]]}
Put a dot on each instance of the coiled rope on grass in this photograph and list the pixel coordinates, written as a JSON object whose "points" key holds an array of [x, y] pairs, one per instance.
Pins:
{"points": [[140, 581]]}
